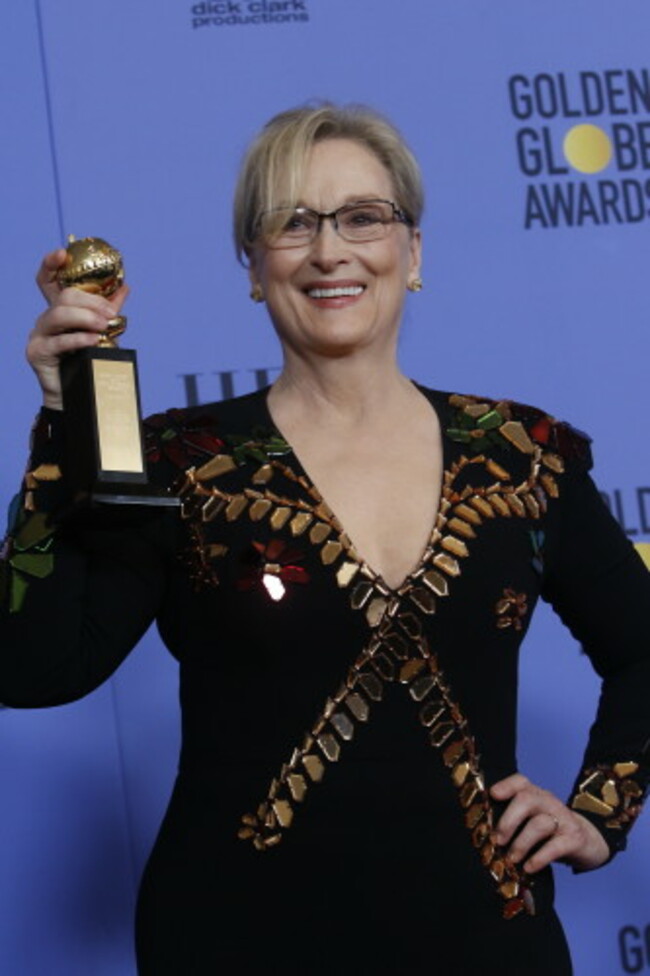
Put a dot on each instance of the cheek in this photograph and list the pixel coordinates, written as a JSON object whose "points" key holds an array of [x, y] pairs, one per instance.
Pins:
{"points": [[394, 266], [273, 268]]}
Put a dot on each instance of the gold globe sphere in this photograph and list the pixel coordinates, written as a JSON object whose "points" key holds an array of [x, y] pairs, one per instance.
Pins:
{"points": [[93, 266]]}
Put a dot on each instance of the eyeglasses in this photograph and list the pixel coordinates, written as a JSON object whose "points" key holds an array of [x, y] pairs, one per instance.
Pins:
{"points": [[366, 220]]}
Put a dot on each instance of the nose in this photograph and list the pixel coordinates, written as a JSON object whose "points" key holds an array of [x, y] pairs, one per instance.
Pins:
{"points": [[328, 248]]}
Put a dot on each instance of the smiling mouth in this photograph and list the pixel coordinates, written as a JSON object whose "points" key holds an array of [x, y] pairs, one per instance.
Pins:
{"points": [[346, 291]]}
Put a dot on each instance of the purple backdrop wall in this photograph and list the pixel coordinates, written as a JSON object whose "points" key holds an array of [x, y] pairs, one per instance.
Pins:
{"points": [[532, 124]]}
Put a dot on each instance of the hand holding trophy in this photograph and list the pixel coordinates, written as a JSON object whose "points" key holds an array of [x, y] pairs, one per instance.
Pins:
{"points": [[105, 459]]}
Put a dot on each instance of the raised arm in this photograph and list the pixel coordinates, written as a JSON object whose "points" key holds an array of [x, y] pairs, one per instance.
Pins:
{"points": [[77, 590]]}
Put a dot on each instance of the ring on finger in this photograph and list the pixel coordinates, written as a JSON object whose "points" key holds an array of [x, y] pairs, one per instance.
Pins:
{"points": [[556, 822]]}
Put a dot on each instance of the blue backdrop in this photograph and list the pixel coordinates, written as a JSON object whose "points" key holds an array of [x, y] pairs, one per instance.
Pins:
{"points": [[128, 120]]}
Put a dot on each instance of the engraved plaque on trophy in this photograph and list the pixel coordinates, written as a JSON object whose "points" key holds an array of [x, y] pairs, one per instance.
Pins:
{"points": [[104, 457]]}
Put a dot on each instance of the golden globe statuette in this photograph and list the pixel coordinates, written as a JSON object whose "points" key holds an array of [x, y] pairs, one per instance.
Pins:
{"points": [[105, 458]]}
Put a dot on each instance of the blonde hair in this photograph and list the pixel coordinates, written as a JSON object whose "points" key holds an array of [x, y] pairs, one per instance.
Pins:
{"points": [[271, 174]]}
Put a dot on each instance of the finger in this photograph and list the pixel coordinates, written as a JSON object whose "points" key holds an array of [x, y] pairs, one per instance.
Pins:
{"points": [[525, 799], [60, 319], [506, 788], [59, 345], [536, 829], [117, 300], [77, 298], [70, 341], [46, 275], [566, 844], [529, 802]]}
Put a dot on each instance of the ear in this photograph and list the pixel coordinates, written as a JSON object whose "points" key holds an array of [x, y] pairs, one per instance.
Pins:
{"points": [[415, 256], [253, 267]]}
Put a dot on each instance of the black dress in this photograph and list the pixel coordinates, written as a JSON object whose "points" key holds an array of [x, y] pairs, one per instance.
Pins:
{"points": [[331, 813]]}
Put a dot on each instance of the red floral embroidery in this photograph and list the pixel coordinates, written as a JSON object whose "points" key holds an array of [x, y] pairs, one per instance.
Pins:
{"points": [[271, 566], [181, 439], [541, 431]]}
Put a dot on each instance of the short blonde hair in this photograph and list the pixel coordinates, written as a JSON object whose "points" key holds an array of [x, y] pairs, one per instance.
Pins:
{"points": [[272, 170]]}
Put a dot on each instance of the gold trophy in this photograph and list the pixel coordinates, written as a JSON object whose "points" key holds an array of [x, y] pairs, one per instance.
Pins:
{"points": [[105, 458]]}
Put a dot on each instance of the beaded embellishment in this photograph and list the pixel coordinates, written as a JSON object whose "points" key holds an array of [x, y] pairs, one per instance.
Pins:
{"points": [[476, 489]]}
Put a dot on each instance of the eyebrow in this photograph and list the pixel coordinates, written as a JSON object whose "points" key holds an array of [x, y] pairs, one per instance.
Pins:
{"points": [[352, 198]]}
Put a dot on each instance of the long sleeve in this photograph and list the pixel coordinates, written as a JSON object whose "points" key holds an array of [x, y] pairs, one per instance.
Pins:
{"points": [[600, 587], [78, 590]]}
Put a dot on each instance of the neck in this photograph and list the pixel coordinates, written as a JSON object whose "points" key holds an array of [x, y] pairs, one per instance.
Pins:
{"points": [[345, 390]]}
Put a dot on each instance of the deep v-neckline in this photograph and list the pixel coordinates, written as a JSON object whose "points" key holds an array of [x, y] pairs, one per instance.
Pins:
{"points": [[436, 402]]}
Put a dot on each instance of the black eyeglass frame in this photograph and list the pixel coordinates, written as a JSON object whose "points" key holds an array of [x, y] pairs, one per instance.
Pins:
{"points": [[399, 217]]}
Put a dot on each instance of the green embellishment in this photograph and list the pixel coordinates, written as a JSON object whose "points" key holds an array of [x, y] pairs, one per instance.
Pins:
{"points": [[19, 587], [462, 436], [261, 447], [27, 553], [32, 529], [478, 433], [490, 421], [39, 563]]}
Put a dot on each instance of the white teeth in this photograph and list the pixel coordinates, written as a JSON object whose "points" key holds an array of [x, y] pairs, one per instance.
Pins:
{"points": [[351, 290]]}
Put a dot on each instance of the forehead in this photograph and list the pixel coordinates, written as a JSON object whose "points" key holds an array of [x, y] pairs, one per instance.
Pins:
{"points": [[338, 171]]}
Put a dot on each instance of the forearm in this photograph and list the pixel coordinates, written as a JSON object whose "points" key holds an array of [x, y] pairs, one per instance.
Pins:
{"points": [[79, 589]]}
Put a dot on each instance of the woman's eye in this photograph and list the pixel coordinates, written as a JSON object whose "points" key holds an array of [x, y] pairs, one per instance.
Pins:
{"points": [[296, 223], [362, 218]]}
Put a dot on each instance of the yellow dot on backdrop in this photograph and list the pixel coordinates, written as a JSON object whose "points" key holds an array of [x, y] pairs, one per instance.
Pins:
{"points": [[587, 148], [643, 549]]}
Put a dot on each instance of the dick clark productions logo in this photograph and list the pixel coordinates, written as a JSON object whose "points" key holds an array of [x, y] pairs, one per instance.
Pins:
{"points": [[583, 146], [238, 13]]}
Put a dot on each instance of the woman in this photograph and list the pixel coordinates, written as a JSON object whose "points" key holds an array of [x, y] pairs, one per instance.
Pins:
{"points": [[359, 558]]}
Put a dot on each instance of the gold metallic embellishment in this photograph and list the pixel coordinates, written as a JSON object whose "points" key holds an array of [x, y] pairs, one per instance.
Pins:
{"points": [[499, 505], [482, 506], [300, 522], [319, 532], [330, 552], [218, 465], [375, 611], [44, 472], [280, 517], [455, 546], [511, 609], [397, 650], [436, 582], [461, 527], [554, 462], [445, 562], [516, 504], [361, 594], [532, 505], [496, 470], [423, 599], [515, 432], [346, 573], [263, 475], [611, 792], [259, 509], [550, 485], [235, 507]]}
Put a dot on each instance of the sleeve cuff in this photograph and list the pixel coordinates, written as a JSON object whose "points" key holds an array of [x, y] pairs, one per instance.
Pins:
{"points": [[611, 797]]}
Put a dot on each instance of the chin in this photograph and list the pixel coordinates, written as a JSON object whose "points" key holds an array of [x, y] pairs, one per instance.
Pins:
{"points": [[340, 341]]}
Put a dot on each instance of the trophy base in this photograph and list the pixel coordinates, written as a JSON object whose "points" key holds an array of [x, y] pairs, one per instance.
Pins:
{"points": [[146, 497], [104, 450]]}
